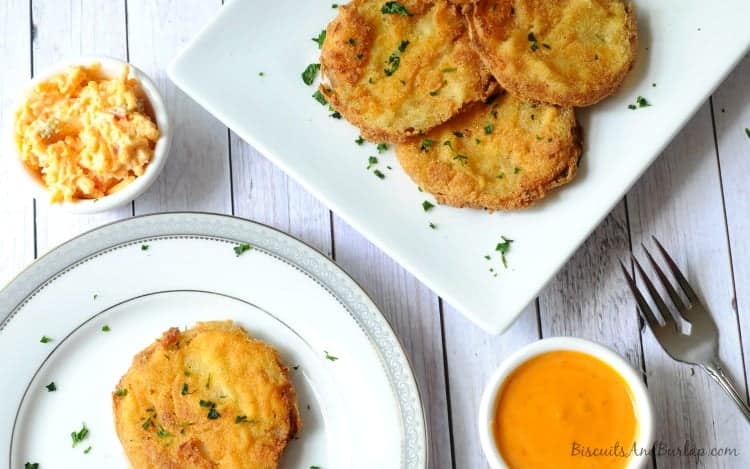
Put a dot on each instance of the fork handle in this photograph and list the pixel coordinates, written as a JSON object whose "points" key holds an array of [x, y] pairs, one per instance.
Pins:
{"points": [[716, 371]]}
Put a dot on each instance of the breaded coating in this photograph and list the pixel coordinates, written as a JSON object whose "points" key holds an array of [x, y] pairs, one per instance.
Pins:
{"points": [[395, 69], [208, 397], [564, 52], [503, 155]]}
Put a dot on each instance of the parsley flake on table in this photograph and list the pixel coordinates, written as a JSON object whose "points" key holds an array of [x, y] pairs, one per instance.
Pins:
{"points": [[105, 328], [426, 144], [320, 39], [45, 339], [320, 98], [242, 249], [503, 247], [80, 435], [51, 387], [308, 76], [394, 8], [427, 205], [330, 357]]}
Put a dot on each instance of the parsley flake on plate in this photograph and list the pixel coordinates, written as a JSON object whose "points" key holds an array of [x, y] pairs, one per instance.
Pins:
{"points": [[51, 387], [320, 39], [105, 328], [144, 247], [308, 76], [371, 161], [747, 132], [427, 205], [80, 435], [87, 450], [45, 339], [330, 357], [503, 247], [394, 8], [432, 225], [359, 140], [379, 174], [382, 147], [242, 249], [35, 465], [320, 98]]}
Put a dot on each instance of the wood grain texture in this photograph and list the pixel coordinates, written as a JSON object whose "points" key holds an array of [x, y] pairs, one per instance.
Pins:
{"points": [[65, 30], [472, 356], [731, 106], [414, 314], [679, 201], [16, 205], [196, 175]]}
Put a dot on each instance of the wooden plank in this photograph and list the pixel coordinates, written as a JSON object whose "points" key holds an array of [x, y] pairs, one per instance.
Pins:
{"points": [[65, 30], [731, 106], [414, 313], [679, 201], [16, 203], [263, 193], [472, 356], [196, 175]]}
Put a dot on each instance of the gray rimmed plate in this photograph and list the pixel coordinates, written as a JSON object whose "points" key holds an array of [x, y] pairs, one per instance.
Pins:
{"points": [[143, 275]]}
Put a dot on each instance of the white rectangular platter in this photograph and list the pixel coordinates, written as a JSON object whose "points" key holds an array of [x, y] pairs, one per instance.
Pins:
{"points": [[245, 66]]}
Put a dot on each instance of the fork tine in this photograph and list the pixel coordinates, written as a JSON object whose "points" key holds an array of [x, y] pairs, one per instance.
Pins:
{"points": [[676, 272], [643, 306], [665, 281], [666, 314]]}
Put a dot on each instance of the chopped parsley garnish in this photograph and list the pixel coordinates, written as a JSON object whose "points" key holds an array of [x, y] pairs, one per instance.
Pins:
{"points": [[144, 247], [87, 450], [461, 159], [242, 249], [45, 339], [315, 467], [371, 161], [308, 76], [320, 39], [379, 174], [747, 132], [35, 465], [330, 357], [146, 423], [449, 70], [162, 432], [80, 435], [427, 205], [96, 295], [631, 106], [432, 225], [516, 170], [184, 389], [448, 144], [546, 46], [501, 175], [360, 56], [503, 247], [241, 419], [203, 403], [335, 115], [351, 41], [359, 140], [436, 91], [426, 144], [320, 98], [122, 392], [394, 60], [334, 5], [213, 414], [261, 74], [51, 387], [477, 141], [208, 381], [487, 256], [640, 101], [394, 8], [653, 85], [458, 134], [105, 328], [488, 128], [534, 44], [382, 147], [402, 45]]}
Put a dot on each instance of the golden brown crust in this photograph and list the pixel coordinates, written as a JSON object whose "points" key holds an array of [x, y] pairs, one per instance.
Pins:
{"points": [[166, 417], [499, 156], [582, 50], [438, 72]]}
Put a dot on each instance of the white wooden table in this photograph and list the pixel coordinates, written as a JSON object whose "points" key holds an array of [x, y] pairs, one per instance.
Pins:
{"points": [[696, 199]]}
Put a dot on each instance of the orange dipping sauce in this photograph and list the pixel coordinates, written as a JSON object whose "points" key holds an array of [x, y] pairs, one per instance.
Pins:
{"points": [[560, 399]]}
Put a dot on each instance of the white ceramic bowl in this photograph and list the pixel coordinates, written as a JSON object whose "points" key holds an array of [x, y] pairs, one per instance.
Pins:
{"points": [[642, 403], [110, 67]]}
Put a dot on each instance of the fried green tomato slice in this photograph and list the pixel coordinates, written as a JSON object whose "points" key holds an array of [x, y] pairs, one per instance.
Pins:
{"points": [[208, 397], [503, 155], [395, 69], [564, 52]]}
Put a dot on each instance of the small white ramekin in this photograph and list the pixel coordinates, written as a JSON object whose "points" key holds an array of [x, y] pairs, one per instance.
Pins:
{"points": [[109, 67], [642, 403]]}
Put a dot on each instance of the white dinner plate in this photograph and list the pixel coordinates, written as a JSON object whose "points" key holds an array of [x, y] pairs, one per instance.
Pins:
{"points": [[686, 48], [146, 274]]}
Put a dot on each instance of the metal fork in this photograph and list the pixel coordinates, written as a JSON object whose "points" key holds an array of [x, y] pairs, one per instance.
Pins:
{"points": [[700, 346]]}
